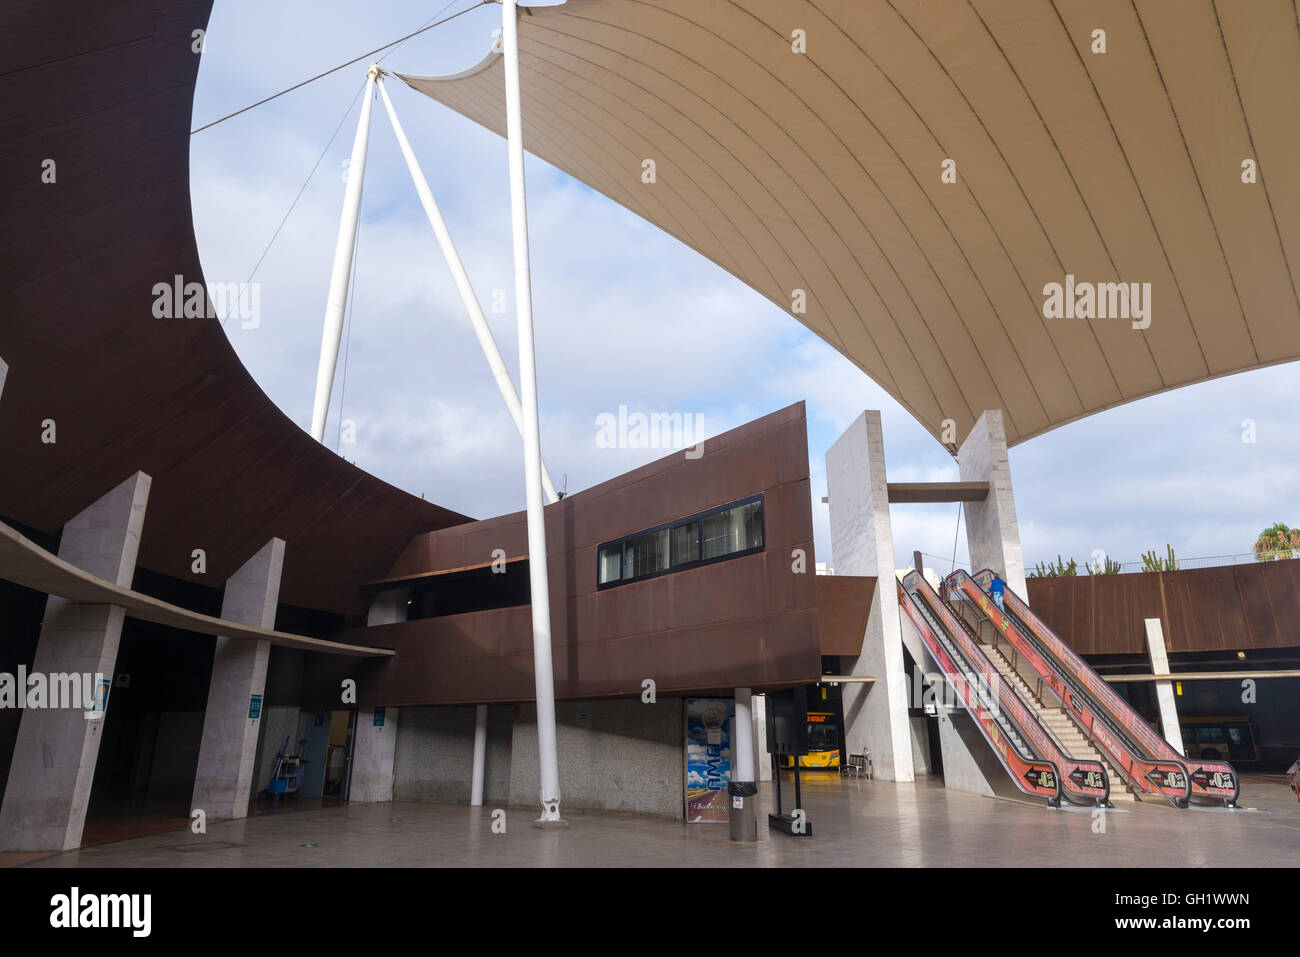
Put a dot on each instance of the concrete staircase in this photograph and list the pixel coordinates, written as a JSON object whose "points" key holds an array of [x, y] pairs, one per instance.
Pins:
{"points": [[1072, 740]]}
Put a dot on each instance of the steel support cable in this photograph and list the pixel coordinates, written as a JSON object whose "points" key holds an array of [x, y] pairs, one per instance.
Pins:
{"points": [[297, 86], [302, 189]]}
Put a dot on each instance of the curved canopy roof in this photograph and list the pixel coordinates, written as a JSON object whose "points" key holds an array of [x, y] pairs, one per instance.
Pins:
{"points": [[821, 171]]}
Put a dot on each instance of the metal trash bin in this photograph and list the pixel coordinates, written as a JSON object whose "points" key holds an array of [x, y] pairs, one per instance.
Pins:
{"points": [[743, 813]]}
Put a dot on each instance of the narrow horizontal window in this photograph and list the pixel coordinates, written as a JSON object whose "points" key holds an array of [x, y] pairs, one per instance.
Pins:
{"points": [[736, 529], [611, 563], [716, 535], [646, 554], [686, 544]]}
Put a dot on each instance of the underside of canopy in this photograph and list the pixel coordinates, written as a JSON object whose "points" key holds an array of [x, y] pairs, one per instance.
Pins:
{"points": [[821, 171]]}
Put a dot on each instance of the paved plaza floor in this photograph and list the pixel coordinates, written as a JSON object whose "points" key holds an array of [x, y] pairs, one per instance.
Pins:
{"points": [[855, 823]]}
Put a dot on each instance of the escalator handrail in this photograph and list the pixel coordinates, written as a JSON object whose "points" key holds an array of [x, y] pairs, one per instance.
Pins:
{"points": [[1098, 687], [1134, 757], [957, 674], [1111, 704], [1051, 663], [1057, 744], [1021, 713], [1110, 700]]}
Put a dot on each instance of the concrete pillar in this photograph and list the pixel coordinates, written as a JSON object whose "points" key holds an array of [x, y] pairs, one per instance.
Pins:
{"points": [[374, 744], [1164, 689], [373, 751], [992, 532], [762, 763], [4, 371], [388, 607], [228, 750], [862, 543], [742, 748], [480, 756], [743, 820], [53, 765]]}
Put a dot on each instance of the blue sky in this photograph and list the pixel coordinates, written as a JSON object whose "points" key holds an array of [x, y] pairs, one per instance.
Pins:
{"points": [[624, 314]]}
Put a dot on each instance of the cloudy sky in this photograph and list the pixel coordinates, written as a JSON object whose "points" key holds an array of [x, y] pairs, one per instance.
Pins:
{"points": [[624, 315]]}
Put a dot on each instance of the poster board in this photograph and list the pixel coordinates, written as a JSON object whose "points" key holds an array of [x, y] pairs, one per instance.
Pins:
{"points": [[708, 759]]}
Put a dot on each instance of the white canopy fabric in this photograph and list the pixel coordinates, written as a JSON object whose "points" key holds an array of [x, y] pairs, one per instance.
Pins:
{"points": [[821, 170]]}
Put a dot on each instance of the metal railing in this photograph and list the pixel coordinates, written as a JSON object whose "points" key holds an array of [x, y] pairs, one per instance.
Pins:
{"points": [[1181, 564]]}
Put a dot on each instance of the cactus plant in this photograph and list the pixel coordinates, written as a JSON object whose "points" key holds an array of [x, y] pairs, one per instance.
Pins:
{"points": [[1108, 567], [1152, 563], [1057, 569]]}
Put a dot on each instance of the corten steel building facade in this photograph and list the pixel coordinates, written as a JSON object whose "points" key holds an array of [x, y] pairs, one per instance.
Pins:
{"points": [[165, 522], [166, 445]]}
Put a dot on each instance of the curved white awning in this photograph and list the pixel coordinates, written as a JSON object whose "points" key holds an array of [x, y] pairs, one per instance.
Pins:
{"points": [[821, 171]]}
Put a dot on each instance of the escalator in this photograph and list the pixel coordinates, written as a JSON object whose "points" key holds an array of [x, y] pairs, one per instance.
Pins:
{"points": [[1142, 758], [1031, 755]]}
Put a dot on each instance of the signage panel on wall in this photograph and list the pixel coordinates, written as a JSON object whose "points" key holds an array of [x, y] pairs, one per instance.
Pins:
{"points": [[708, 758]]}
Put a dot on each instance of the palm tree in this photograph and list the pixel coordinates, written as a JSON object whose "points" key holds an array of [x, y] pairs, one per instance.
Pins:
{"points": [[1277, 541]]}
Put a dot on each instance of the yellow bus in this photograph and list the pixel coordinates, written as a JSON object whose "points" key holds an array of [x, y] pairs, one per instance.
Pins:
{"points": [[823, 743]]}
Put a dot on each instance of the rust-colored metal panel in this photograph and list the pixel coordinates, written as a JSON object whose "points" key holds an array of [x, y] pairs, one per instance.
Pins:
{"points": [[843, 606], [1225, 608], [750, 620], [108, 94]]}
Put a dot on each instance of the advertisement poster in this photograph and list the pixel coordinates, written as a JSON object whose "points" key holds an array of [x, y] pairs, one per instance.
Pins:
{"points": [[708, 758]]}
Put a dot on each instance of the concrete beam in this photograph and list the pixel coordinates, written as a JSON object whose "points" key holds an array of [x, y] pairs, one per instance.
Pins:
{"points": [[54, 759], [228, 750], [904, 493], [862, 543]]}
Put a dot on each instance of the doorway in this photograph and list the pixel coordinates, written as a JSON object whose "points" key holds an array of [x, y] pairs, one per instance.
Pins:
{"points": [[326, 745]]}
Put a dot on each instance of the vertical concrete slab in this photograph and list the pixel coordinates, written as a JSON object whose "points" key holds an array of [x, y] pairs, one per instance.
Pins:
{"points": [[1164, 689], [862, 543], [969, 764], [959, 742], [228, 750], [921, 763], [388, 607], [992, 532], [762, 760], [374, 746], [373, 751], [478, 770], [617, 754], [54, 759]]}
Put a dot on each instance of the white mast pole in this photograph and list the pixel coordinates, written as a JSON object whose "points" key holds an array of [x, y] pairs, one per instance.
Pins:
{"points": [[463, 286], [332, 334], [541, 596]]}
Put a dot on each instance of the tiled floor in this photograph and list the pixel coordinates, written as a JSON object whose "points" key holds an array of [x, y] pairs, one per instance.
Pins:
{"points": [[861, 823], [116, 816]]}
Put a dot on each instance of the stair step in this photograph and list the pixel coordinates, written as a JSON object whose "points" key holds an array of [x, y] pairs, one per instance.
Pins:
{"points": [[1060, 724]]}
